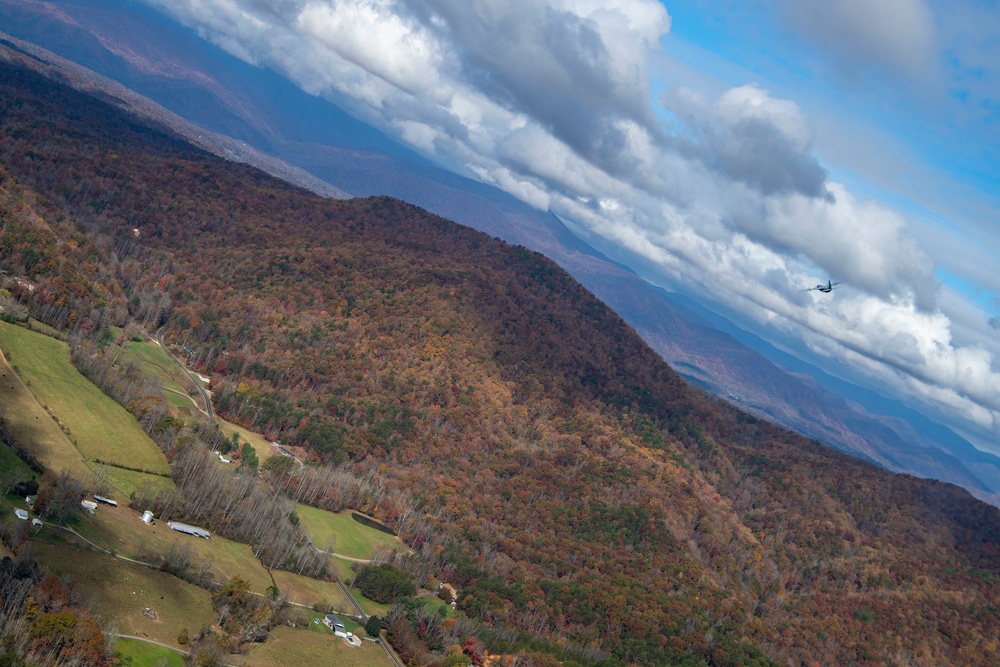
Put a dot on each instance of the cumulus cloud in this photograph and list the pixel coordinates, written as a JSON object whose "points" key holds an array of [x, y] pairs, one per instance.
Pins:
{"points": [[751, 137], [551, 100], [852, 238]]}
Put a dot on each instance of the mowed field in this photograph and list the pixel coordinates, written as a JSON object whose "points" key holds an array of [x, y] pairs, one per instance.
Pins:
{"points": [[160, 365], [33, 428], [309, 592], [343, 535], [97, 426], [298, 646], [124, 592], [137, 653]]}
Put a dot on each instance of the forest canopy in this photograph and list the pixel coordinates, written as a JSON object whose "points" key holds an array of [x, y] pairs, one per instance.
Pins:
{"points": [[571, 486]]}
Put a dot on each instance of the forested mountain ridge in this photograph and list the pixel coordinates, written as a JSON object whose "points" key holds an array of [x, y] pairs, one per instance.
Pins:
{"points": [[569, 482], [149, 53]]}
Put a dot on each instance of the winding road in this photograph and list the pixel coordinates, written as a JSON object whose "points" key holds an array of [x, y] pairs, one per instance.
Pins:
{"points": [[197, 382]]}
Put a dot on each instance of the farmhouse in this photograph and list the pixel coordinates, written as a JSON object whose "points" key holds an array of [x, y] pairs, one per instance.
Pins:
{"points": [[190, 530], [336, 625]]}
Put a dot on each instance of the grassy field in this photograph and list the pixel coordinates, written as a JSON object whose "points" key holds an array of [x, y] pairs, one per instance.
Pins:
{"points": [[122, 531], [154, 354], [158, 364], [127, 481], [124, 591], [303, 590], [370, 607], [10, 461], [43, 328], [99, 427], [32, 427], [297, 646], [181, 401], [345, 535], [135, 653], [260, 444]]}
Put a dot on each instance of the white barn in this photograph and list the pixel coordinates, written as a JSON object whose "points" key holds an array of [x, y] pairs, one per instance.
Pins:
{"points": [[190, 530]]}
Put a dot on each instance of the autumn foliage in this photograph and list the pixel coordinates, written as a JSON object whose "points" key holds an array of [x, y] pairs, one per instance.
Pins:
{"points": [[574, 488]]}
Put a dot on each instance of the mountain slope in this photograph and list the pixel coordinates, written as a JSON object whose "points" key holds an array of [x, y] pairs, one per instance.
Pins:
{"points": [[156, 57], [565, 478]]}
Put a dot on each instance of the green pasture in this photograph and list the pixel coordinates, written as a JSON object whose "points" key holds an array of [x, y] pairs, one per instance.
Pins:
{"points": [[153, 354], [260, 444], [168, 382], [32, 427], [121, 530], [45, 329], [344, 535], [157, 363], [309, 592], [99, 427], [350, 625], [297, 646], [128, 481], [436, 604], [180, 400], [370, 607], [11, 461], [345, 568], [135, 653], [123, 591]]}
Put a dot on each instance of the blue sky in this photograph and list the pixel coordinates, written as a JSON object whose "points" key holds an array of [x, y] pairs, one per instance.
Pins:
{"points": [[940, 130], [738, 150]]}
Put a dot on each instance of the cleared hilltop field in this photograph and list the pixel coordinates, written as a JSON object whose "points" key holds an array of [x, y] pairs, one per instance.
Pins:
{"points": [[341, 534], [92, 426], [123, 592]]}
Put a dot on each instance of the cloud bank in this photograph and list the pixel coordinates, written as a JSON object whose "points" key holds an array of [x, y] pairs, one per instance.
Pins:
{"points": [[554, 102]]}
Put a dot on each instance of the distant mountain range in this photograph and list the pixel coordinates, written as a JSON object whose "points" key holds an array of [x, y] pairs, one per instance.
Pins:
{"points": [[225, 105]]}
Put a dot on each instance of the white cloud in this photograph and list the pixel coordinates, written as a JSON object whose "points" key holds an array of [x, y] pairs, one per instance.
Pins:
{"points": [[859, 240], [374, 36]]}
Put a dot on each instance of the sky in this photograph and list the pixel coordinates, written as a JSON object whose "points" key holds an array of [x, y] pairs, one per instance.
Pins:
{"points": [[739, 150]]}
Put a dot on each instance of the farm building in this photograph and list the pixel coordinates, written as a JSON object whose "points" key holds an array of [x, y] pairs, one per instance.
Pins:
{"points": [[190, 530], [88, 505], [336, 625], [106, 501]]}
